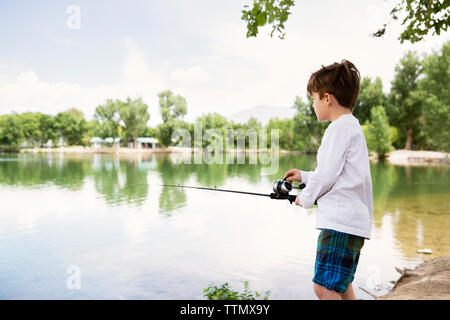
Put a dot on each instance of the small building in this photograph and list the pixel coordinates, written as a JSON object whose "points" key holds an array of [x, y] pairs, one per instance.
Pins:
{"points": [[147, 143], [115, 142], [96, 142]]}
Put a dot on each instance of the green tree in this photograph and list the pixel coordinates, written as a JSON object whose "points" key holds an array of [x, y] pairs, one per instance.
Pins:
{"points": [[173, 109], [405, 100], [308, 131], [71, 126], [275, 12], [378, 132], [134, 115], [149, 132], [211, 121], [11, 132], [108, 116], [38, 128], [286, 132], [420, 17], [47, 125], [436, 92], [30, 124], [370, 95]]}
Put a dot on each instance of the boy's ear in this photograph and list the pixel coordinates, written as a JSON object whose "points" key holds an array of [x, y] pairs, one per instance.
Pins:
{"points": [[330, 99]]}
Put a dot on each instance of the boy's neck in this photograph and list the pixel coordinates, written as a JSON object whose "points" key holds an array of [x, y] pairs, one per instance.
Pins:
{"points": [[337, 112]]}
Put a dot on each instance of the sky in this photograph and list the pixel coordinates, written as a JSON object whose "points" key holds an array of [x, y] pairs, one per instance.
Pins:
{"points": [[56, 55]]}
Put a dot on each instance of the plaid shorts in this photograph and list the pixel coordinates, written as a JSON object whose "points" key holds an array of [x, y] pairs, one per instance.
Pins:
{"points": [[336, 259]]}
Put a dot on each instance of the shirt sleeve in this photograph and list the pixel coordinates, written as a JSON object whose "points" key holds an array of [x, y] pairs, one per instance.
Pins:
{"points": [[304, 176], [330, 162]]}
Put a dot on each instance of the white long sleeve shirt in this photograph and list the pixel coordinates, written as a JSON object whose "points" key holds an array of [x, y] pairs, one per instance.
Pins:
{"points": [[341, 182]]}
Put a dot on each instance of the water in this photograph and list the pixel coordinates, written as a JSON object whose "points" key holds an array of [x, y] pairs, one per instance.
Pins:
{"points": [[60, 213]]}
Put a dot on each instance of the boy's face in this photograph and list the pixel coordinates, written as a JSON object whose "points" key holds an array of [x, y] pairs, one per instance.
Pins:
{"points": [[321, 107]]}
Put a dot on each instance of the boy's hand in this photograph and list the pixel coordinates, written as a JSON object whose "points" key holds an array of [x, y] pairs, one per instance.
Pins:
{"points": [[293, 175], [297, 201]]}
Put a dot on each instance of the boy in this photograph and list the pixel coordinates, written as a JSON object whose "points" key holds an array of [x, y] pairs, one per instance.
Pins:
{"points": [[341, 182]]}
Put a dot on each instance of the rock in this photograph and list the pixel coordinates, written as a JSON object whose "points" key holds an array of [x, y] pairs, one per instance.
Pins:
{"points": [[426, 251]]}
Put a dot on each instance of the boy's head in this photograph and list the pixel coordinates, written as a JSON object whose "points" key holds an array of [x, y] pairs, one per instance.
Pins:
{"points": [[336, 85]]}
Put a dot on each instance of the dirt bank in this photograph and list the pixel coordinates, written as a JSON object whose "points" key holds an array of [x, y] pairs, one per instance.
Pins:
{"points": [[410, 157], [428, 281]]}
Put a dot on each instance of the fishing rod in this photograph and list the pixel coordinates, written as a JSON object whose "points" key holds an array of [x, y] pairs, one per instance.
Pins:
{"points": [[281, 189]]}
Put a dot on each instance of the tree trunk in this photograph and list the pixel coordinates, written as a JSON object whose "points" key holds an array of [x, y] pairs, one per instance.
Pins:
{"points": [[409, 134]]}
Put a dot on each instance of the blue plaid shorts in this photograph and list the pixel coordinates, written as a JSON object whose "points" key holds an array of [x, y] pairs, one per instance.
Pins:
{"points": [[336, 259]]}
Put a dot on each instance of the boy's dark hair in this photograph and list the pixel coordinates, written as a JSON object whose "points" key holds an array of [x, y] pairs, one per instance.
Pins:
{"points": [[339, 79]]}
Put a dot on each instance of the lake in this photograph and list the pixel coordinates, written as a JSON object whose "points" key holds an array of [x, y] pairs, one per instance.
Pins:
{"points": [[78, 227]]}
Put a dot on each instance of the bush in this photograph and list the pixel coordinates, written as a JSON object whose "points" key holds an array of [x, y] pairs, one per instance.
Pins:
{"points": [[224, 292]]}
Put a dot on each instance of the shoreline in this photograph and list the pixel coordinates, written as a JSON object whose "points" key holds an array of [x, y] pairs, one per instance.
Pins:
{"points": [[430, 280], [397, 157]]}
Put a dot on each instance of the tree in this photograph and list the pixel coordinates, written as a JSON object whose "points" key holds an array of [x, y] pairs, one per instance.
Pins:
{"points": [[72, 126], [421, 17], [134, 115], [378, 132], [308, 131], [436, 92], [405, 100], [275, 12], [11, 132], [48, 128], [108, 115], [173, 109], [212, 121], [171, 106], [286, 132], [370, 95], [31, 128]]}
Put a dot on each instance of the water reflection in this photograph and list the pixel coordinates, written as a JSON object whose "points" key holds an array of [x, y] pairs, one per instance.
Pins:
{"points": [[80, 193]]}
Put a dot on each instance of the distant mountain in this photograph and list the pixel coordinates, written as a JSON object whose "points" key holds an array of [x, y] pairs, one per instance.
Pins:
{"points": [[263, 114]]}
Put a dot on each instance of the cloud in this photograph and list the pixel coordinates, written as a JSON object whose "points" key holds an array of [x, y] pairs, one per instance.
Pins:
{"points": [[221, 70], [190, 76], [26, 92]]}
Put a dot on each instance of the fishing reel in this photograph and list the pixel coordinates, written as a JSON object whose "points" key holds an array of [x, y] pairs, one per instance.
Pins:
{"points": [[284, 187], [281, 189]]}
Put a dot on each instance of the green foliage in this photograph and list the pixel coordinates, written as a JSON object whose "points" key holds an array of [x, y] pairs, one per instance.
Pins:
{"points": [[274, 12], [224, 292], [11, 132], [109, 119], [378, 134], [435, 90], [370, 95], [213, 121], [134, 116], [286, 132], [308, 131], [72, 126], [164, 130], [173, 109], [149, 132], [405, 101], [420, 17]]}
